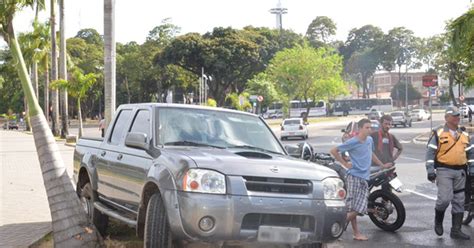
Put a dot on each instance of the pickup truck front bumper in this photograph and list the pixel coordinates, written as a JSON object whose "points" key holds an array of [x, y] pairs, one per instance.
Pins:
{"points": [[238, 217]]}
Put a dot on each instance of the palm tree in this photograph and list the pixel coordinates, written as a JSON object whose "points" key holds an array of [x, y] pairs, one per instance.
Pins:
{"points": [[109, 59], [63, 70], [78, 88], [54, 71], [71, 227]]}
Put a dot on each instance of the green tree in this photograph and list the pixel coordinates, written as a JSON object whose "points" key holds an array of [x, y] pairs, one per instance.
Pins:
{"points": [[320, 31], [261, 85], [70, 225], [398, 92], [362, 53], [306, 73], [462, 41], [78, 87]]}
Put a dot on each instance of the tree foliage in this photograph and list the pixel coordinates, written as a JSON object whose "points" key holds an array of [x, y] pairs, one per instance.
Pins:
{"points": [[307, 73], [320, 30]]}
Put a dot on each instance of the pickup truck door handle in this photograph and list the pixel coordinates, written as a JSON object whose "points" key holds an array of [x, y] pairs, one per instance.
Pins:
{"points": [[102, 153], [120, 156]]}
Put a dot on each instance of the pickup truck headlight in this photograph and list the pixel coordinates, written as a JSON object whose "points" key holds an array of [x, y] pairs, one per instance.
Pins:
{"points": [[333, 189], [204, 181]]}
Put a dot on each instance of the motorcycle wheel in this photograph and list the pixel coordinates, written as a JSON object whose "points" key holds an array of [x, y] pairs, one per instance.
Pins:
{"points": [[467, 217], [379, 202]]}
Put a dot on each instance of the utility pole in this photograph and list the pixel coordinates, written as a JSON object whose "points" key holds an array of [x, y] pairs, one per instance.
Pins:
{"points": [[406, 89]]}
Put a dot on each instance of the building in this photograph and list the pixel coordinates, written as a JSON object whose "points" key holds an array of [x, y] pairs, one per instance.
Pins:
{"points": [[383, 83]]}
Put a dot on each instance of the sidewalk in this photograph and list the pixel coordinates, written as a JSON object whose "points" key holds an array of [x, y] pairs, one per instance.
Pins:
{"points": [[24, 211]]}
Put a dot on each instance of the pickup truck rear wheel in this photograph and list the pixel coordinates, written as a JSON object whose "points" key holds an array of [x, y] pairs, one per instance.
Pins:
{"points": [[88, 198], [157, 227]]}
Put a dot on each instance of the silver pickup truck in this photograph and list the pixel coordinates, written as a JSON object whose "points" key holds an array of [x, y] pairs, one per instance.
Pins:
{"points": [[182, 174]]}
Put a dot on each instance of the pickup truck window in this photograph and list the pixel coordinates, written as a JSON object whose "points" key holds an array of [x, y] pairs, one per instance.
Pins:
{"points": [[120, 126], [141, 123], [222, 129]]}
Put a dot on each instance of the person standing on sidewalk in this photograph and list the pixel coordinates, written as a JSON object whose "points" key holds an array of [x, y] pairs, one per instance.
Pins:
{"points": [[102, 126], [449, 152], [385, 143], [361, 156]]}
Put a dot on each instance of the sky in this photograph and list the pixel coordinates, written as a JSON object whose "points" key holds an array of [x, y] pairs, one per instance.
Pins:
{"points": [[135, 18]]}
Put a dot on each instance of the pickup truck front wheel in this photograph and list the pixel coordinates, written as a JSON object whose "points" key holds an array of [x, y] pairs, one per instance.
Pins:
{"points": [[99, 219], [157, 227]]}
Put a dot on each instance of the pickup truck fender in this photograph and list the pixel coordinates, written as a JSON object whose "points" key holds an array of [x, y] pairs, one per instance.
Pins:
{"points": [[86, 164], [161, 179]]}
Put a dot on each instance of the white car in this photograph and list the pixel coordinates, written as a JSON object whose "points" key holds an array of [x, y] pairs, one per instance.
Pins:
{"points": [[293, 127], [420, 114]]}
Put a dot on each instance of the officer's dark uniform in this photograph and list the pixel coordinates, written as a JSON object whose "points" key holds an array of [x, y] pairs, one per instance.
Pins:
{"points": [[448, 154]]}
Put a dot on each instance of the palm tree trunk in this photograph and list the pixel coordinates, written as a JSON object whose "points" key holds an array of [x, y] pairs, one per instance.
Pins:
{"points": [[129, 97], [109, 60], [63, 70], [54, 71], [34, 77], [46, 89], [79, 116], [71, 227]]}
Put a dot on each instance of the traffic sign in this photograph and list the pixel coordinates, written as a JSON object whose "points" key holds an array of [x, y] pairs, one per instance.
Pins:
{"points": [[430, 80], [260, 98], [461, 98]]}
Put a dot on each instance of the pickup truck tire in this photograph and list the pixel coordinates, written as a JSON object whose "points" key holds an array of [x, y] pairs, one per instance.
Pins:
{"points": [[157, 227], [88, 198]]}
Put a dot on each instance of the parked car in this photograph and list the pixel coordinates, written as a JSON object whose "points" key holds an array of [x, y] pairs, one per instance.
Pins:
{"points": [[352, 129], [181, 173], [401, 118], [293, 127], [420, 114], [375, 114], [11, 125]]}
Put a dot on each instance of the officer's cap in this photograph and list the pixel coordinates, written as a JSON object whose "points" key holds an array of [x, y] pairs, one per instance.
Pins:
{"points": [[452, 111]]}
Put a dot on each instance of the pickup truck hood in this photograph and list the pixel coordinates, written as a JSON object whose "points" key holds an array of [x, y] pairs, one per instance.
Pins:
{"points": [[229, 162]]}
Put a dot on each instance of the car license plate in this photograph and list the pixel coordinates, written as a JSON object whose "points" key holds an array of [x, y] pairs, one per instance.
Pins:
{"points": [[292, 133], [396, 183], [277, 234]]}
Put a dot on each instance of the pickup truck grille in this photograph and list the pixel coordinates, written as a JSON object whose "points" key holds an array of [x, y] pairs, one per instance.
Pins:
{"points": [[278, 185], [253, 221]]}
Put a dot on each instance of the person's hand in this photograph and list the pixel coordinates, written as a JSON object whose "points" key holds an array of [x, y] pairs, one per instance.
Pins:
{"points": [[432, 177], [348, 165], [387, 165]]}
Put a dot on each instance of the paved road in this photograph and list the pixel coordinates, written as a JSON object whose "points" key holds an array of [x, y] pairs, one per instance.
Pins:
{"points": [[24, 209], [25, 217], [418, 196]]}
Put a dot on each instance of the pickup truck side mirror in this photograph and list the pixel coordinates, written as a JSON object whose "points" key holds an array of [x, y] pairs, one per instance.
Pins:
{"points": [[137, 140]]}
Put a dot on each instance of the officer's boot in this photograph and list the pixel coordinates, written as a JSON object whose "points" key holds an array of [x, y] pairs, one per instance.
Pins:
{"points": [[439, 217], [456, 232]]}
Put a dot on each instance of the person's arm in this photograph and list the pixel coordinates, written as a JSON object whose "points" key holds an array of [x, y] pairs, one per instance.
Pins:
{"points": [[337, 155], [377, 161], [431, 151], [399, 147]]}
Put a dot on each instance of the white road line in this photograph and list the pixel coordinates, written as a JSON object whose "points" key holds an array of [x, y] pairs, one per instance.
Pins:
{"points": [[405, 141], [416, 159], [421, 194]]}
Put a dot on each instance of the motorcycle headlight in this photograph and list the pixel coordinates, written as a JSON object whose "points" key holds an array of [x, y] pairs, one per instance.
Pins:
{"points": [[204, 181], [333, 189]]}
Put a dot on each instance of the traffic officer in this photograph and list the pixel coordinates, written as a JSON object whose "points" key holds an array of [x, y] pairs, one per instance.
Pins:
{"points": [[449, 152]]}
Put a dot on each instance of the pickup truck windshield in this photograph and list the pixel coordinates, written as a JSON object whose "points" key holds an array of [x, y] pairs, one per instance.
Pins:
{"points": [[221, 129]]}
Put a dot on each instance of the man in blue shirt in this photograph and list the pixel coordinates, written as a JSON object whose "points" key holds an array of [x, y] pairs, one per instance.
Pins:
{"points": [[360, 149]]}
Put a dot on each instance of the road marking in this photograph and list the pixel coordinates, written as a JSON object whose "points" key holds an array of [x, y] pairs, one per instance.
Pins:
{"points": [[421, 194], [405, 141], [416, 159]]}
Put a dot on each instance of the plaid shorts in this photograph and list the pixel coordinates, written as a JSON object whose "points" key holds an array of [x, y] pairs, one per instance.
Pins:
{"points": [[357, 194]]}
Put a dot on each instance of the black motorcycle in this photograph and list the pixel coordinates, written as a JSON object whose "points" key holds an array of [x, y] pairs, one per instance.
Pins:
{"points": [[385, 209], [469, 198]]}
